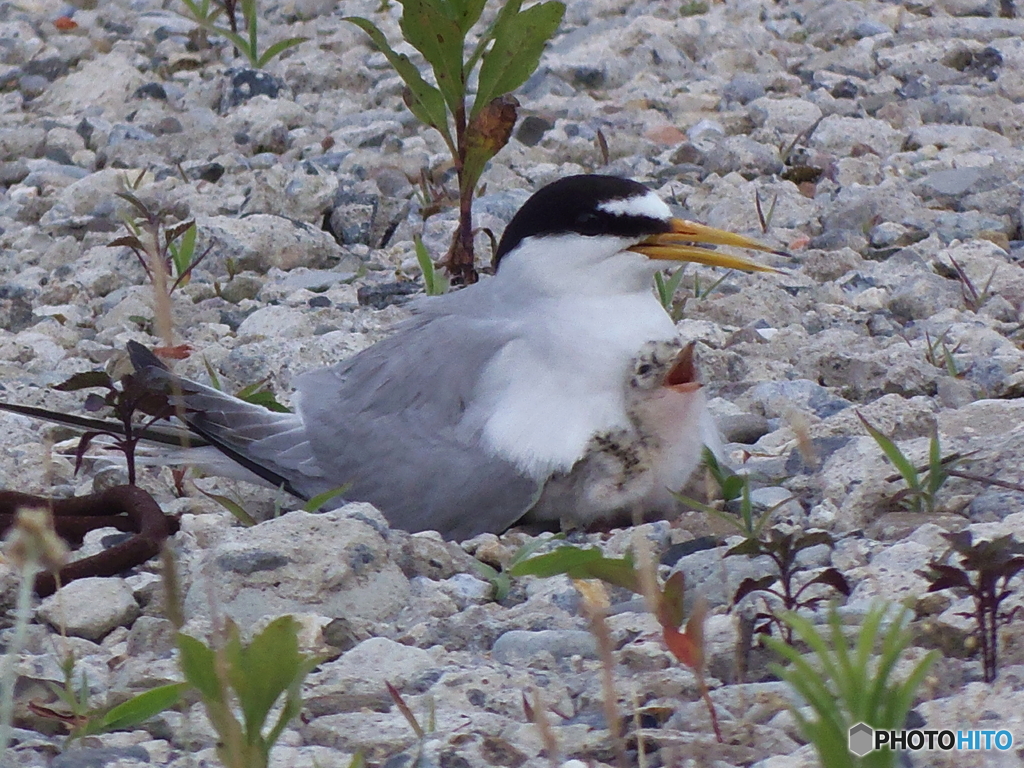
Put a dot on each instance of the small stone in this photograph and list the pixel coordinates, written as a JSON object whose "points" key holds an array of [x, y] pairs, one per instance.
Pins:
{"points": [[151, 635], [243, 84], [90, 607], [532, 129], [518, 645], [151, 91], [380, 295], [359, 677]]}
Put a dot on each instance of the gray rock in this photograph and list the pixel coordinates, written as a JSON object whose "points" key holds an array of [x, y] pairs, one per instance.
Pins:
{"points": [[518, 646], [329, 563], [263, 241], [921, 296], [774, 399], [789, 116], [742, 155], [90, 607], [951, 183], [746, 428], [743, 88], [360, 676], [716, 577], [151, 635], [100, 757], [104, 84]]}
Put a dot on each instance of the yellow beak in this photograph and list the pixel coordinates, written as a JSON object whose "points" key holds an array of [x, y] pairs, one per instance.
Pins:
{"points": [[680, 244]]}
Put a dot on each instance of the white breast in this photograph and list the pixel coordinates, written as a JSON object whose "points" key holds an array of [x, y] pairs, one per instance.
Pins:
{"points": [[563, 380]]}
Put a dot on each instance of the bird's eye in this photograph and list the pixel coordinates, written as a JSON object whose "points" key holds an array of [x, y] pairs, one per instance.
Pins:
{"points": [[588, 223]]}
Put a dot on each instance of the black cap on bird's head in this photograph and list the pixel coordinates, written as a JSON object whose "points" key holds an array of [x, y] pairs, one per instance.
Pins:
{"points": [[593, 205]]}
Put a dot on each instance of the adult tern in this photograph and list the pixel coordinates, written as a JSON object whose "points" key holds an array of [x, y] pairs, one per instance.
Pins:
{"points": [[555, 391]]}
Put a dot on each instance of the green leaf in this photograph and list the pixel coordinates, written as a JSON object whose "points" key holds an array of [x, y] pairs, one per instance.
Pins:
{"points": [[672, 599], [749, 547], [433, 283], [424, 100], [197, 662], [142, 707], [239, 42], [256, 395], [277, 49], [214, 378], [233, 507], [579, 563], [183, 251], [560, 561], [519, 40], [262, 671], [438, 37], [667, 287], [903, 465], [936, 468], [251, 17], [467, 13], [322, 498]]}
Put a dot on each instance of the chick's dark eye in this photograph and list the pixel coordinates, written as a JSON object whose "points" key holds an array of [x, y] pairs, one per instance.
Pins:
{"points": [[588, 223]]}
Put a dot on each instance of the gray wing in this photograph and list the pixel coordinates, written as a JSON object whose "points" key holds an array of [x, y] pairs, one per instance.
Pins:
{"points": [[390, 421]]}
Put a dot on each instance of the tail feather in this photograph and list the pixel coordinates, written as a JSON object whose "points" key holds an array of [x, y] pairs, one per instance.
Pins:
{"points": [[167, 435], [272, 445]]}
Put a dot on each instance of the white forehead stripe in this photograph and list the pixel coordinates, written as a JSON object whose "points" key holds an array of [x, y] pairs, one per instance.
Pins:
{"points": [[649, 205]]}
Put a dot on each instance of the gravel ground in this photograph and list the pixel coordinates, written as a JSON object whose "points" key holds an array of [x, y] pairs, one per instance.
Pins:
{"points": [[884, 142]]}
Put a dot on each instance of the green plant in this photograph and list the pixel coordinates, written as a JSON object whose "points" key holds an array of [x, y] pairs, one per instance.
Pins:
{"points": [[664, 601], [32, 545], [666, 288], [939, 354], [204, 14], [235, 508], [764, 219], [973, 298], [994, 564], [167, 253], [248, 679], [783, 549], [256, 393], [846, 685], [433, 283], [506, 54], [923, 487], [693, 8], [501, 581], [83, 720], [735, 491]]}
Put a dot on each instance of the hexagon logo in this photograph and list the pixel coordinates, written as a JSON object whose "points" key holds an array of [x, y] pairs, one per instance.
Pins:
{"points": [[862, 739]]}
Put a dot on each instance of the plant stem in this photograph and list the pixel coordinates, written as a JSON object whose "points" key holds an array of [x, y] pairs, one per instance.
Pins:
{"points": [[10, 677], [706, 695], [460, 255]]}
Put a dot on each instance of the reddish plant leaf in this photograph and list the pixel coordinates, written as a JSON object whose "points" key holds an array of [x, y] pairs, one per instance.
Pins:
{"points": [[688, 646], [670, 605], [178, 352], [681, 646], [832, 578]]}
